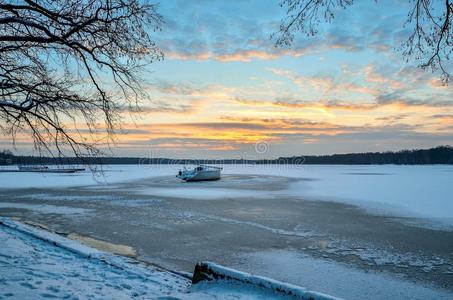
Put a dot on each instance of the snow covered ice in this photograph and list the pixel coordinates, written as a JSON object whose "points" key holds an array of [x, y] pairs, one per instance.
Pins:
{"points": [[419, 191], [377, 226]]}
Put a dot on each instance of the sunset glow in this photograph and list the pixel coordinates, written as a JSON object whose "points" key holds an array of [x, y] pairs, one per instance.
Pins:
{"points": [[223, 86]]}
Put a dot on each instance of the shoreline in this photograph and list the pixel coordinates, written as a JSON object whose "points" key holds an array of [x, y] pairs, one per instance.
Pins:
{"points": [[130, 277]]}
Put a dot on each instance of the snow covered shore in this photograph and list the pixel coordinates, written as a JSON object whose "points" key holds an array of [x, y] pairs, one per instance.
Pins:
{"points": [[37, 264]]}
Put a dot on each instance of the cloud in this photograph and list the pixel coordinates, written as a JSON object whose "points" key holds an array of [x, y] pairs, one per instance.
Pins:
{"points": [[372, 76], [393, 118], [181, 88], [399, 97], [246, 45], [442, 116], [326, 105], [238, 55], [276, 131], [213, 32], [324, 84], [165, 107], [289, 125], [333, 105], [190, 90], [381, 89], [184, 144], [161, 106], [339, 39]]}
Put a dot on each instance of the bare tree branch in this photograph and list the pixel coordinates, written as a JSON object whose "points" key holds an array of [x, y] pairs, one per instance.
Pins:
{"points": [[430, 41], [48, 50]]}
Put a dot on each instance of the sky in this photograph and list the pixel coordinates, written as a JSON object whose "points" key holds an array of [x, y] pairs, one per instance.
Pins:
{"points": [[225, 91]]}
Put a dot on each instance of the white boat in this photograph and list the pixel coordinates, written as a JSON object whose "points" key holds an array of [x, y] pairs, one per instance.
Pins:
{"points": [[200, 173]]}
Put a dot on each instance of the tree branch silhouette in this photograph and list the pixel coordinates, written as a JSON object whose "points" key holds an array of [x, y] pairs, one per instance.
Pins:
{"points": [[430, 41], [72, 62]]}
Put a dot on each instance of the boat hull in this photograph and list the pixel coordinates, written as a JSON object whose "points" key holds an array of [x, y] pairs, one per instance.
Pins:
{"points": [[202, 176]]}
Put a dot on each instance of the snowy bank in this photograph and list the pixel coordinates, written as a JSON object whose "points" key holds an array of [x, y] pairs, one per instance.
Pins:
{"points": [[38, 264]]}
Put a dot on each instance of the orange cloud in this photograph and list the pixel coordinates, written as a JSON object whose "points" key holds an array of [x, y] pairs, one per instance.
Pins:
{"points": [[333, 105], [238, 55], [372, 76]]}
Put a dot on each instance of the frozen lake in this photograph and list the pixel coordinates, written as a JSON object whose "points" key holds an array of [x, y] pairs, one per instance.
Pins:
{"points": [[413, 191], [382, 226]]}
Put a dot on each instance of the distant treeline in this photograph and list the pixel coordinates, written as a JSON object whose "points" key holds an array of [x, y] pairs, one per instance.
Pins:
{"points": [[438, 155]]}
